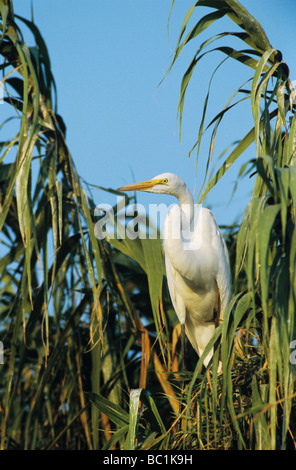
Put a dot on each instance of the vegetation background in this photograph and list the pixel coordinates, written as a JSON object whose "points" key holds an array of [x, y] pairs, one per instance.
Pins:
{"points": [[91, 339]]}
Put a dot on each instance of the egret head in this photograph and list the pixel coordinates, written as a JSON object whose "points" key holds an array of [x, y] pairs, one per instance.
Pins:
{"points": [[165, 183]]}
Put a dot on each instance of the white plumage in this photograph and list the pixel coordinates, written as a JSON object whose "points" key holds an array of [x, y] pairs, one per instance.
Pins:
{"points": [[196, 260]]}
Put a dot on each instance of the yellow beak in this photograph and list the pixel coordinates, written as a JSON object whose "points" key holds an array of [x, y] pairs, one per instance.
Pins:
{"points": [[143, 186]]}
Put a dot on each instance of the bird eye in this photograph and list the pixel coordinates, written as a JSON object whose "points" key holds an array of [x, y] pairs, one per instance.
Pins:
{"points": [[165, 180]]}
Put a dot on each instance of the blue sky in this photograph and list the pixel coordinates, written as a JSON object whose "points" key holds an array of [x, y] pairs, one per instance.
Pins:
{"points": [[108, 58]]}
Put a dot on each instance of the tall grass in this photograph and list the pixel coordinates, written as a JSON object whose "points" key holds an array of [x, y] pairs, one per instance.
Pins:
{"points": [[90, 337], [257, 391]]}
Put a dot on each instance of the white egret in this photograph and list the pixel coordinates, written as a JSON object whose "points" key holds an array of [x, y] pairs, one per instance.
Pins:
{"points": [[196, 260]]}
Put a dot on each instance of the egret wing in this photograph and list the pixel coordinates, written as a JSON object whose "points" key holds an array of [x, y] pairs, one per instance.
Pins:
{"points": [[223, 275], [176, 299]]}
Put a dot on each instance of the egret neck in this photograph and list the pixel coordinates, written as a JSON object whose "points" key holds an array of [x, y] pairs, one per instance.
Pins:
{"points": [[185, 199]]}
